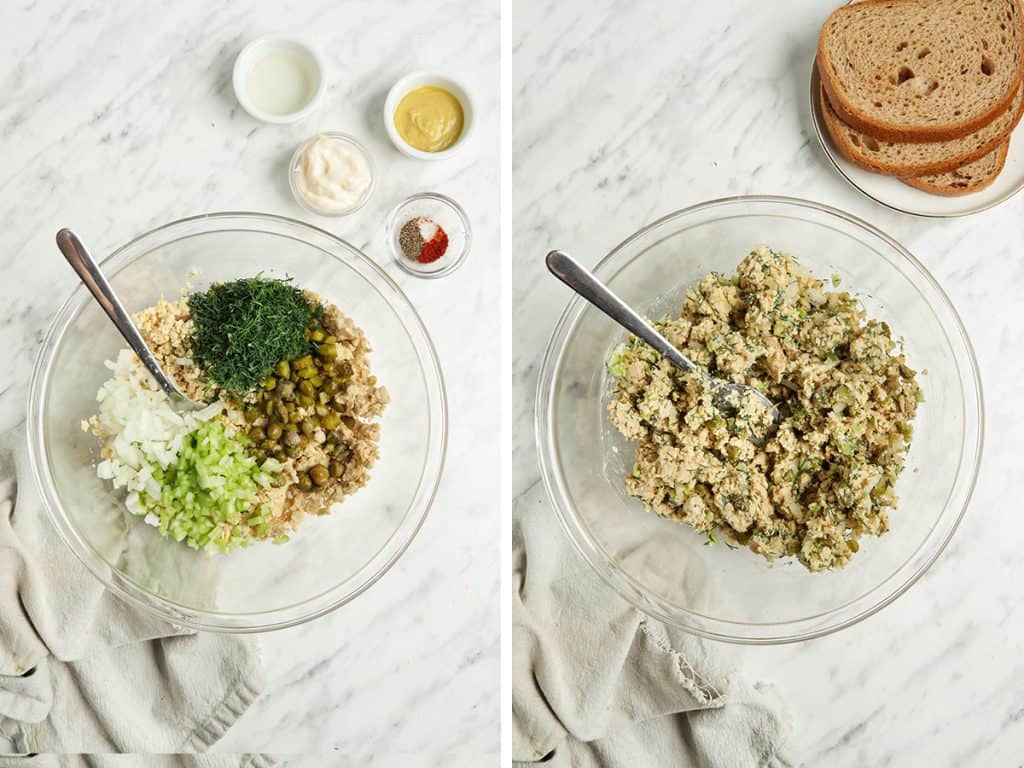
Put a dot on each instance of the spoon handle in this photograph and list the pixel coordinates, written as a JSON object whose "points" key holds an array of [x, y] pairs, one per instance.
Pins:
{"points": [[580, 279], [82, 262]]}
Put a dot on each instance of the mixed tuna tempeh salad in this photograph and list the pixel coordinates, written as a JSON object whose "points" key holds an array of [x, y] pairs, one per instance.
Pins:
{"points": [[825, 476]]}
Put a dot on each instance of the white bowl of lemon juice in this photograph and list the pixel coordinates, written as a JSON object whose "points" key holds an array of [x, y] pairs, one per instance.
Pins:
{"points": [[279, 79]]}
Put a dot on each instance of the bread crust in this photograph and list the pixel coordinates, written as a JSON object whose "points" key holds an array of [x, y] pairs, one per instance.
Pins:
{"points": [[841, 141], [947, 191], [885, 131]]}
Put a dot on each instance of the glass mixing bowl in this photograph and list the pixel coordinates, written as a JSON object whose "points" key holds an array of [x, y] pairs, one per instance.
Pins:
{"points": [[663, 567], [332, 558]]}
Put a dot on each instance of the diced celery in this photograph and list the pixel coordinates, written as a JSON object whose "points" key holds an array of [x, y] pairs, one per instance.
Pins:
{"points": [[207, 487]]}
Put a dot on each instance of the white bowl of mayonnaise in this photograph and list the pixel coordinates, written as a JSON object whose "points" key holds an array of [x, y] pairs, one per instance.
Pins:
{"points": [[331, 174]]}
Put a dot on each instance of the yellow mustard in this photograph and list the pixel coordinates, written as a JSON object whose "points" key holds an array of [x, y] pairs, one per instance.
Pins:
{"points": [[429, 118]]}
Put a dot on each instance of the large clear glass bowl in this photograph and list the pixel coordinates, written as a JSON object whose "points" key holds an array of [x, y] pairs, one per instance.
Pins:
{"points": [[332, 558], [664, 567]]}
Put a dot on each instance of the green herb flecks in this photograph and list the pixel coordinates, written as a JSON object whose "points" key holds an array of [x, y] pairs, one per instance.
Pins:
{"points": [[246, 327]]}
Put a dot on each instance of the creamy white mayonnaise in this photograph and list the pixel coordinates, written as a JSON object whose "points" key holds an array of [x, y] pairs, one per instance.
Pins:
{"points": [[332, 176]]}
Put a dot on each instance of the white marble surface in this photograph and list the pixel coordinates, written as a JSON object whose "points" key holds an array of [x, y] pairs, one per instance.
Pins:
{"points": [[117, 117], [626, 111]]}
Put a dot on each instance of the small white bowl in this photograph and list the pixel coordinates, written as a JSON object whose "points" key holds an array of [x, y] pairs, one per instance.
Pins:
{"points": [[418, 80], [295, 165], [270, 45]]}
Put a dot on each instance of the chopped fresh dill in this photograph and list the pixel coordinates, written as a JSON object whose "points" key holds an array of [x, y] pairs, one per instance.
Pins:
{"points": [[245, 327]]}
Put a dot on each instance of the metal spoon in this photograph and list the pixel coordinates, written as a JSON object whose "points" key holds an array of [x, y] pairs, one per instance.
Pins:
{"points": [[727, 394], [80, 260]]}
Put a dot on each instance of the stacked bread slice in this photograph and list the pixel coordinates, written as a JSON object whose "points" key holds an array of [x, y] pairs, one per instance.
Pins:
{"points": [[927, 91]]}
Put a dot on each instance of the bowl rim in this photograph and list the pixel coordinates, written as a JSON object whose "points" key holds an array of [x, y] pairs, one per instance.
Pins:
{"points": [[624, 584], [168, 609]]}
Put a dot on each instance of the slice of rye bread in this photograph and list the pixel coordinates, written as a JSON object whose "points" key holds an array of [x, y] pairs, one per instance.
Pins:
{"points": [[973, 177], [918, 159], [922, 70]]}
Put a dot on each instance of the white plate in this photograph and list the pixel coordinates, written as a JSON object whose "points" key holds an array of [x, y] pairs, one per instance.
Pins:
{"points": [[901, 197]]}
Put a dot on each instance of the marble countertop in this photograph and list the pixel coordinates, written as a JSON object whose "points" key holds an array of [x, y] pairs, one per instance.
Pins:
{"points": [[628, 111], [120, 116]]}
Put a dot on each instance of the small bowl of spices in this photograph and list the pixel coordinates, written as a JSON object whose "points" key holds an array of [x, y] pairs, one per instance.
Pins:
{"points": [[429, 235], [428, 116], [331, 174]]}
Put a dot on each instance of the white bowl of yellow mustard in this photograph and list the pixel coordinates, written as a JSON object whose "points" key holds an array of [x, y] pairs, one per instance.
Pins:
{"points": [[428, 115]]}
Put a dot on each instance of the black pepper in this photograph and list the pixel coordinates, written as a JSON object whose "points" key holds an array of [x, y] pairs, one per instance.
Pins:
{"points": [[415, 243]]}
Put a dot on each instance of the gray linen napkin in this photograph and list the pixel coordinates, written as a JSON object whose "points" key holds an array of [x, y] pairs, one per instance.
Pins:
{"points": [[82, 672], [597, 683]]}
